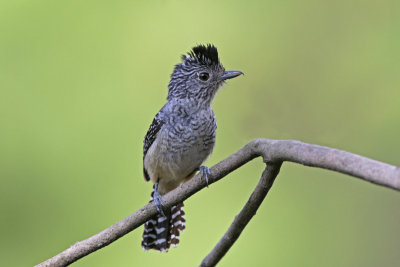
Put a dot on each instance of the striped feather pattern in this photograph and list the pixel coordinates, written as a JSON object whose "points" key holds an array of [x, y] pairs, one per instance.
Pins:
{"points": [[161, 232], [177, 224]]}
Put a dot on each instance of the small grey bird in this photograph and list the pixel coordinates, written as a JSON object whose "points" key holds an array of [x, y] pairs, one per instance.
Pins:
{"points": [[180, 138]]}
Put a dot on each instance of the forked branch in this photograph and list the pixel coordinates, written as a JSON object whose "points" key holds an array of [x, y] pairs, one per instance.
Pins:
{"points": [[274, 152], [245, 215]]}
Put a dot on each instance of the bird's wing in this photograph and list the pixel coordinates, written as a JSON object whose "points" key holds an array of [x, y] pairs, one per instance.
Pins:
{"points": [[150, 137]]}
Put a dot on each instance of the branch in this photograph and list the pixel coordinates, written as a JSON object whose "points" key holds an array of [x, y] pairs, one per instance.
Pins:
{"points": [[272, 151], [244, 217]]}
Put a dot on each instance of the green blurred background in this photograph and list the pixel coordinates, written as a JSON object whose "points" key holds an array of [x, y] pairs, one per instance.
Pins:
{"points": [[81, 81]]}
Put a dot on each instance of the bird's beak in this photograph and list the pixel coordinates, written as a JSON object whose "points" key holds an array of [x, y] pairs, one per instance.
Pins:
{"points": [[231, 74]]}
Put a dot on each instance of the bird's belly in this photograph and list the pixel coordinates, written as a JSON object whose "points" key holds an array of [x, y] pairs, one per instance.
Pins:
{"points": [[179, 162], [174, 158], [178, 151]]}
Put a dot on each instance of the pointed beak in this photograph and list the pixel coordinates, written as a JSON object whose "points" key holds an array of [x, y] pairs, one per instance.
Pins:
{"points": [[231, 74]]}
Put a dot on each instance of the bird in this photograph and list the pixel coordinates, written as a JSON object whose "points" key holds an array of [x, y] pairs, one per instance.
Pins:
{"points": [[180, 139]]}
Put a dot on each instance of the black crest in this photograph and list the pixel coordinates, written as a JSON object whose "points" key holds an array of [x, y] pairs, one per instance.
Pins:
{"points": [[205, 54]]}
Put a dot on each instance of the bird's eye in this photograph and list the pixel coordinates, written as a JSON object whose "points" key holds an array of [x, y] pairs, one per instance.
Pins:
{"points": [[204, 76]]}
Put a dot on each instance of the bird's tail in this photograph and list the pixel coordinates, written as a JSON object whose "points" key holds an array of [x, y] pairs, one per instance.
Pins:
{"points": [[161, 232]]}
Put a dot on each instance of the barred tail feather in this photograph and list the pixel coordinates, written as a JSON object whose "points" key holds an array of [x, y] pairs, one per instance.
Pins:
{"points": [[161, 232], [177, 224], [155, 234]]}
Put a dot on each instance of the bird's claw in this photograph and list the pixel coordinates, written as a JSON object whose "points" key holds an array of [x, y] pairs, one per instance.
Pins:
{"points": [[158, 201], [205, 173]]}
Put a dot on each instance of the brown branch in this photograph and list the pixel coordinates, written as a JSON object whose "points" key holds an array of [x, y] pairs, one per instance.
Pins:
{"points": [[272, 151], [244, 217]]}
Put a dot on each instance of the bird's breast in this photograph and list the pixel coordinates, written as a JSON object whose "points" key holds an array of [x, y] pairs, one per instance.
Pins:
{"points": [[181, 147], [186, 143], [191, 135]]}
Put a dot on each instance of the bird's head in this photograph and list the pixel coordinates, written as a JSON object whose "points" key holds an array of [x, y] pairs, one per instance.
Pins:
{"points": [[199, 75]]}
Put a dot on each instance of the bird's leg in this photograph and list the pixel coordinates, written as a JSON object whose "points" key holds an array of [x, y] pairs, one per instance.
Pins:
{"points": [[205, 173], [157, 199]]}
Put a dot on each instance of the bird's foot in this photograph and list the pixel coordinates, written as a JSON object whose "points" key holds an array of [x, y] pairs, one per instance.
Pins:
{"points": [[205, 173], [158, 201]]}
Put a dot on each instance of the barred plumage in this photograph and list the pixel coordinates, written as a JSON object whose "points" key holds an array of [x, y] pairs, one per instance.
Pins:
{"points": [[180, 138], [162, 232]]}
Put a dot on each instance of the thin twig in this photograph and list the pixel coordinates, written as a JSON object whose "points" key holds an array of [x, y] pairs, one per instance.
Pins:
{"points": [[271, 151], [244, 217]]}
